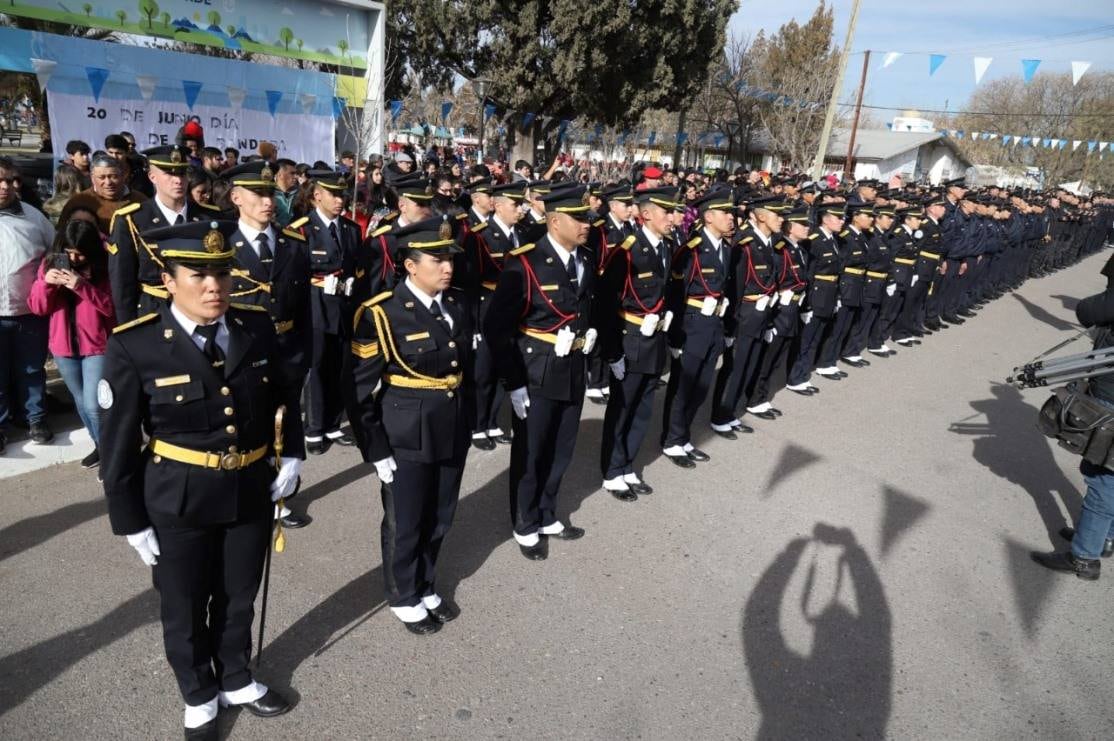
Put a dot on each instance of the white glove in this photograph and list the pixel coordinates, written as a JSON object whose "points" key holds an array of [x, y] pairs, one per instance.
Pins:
{"points": [[520, 402], [729, 342], [914, 281], [476, 340], [287, 479], [806, 317], [762, 303], [385, 469], [769, 335], [619, 368], [146, 545], [839, 304], [891, 289], [675, 352], [786, 297]]}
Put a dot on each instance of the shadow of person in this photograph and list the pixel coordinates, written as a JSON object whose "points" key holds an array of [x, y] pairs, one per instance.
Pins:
{"points": [[821, 666], [32, 531], [1043, 315], [1068, 302], [1011, 447]]}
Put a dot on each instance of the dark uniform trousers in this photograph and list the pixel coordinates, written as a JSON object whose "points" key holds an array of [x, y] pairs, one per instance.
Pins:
{"points": [[213, 525], [740, 366], [425, 429], [533, 285], [626, 421], [812, 335], [691, 376]]}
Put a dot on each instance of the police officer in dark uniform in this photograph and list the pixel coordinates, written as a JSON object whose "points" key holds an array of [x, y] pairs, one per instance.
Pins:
{"points": [[414, 194], [133, 266], [603, 239], [334, 243], [698, 278], [532, 226], [854, 250], [932, 259], [538, 329], [411, 411], [203, 382], [495, 239], [905, 244], [633, 321], [866, 334], [825, 263]]}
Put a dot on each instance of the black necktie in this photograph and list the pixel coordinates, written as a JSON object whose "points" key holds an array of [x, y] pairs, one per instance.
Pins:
{"points": [[179, 220], [438, 315], [570, 268], [265, 254], [211, 349], [334, 234]]}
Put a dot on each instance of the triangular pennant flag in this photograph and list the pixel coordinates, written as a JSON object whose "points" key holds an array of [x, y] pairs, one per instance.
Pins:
{"points": [[1091, 146], [44, 68], [489, 110], [991, 136], [97, 77], [1075, 144], [1061, 144], [147, 85], [1006, 139], [191, 90], [446, 109], [682, 137], [527, 119], [1029, 68], [974, 135], [338, 106], [981, 65], [396, 109], [934, 62], [1078, 69], [1102, 145], [308, 101], [890, 58], [984, 136], [1046, 143], [236, 96], [273, 98], [1026, 141], [653, 136]]}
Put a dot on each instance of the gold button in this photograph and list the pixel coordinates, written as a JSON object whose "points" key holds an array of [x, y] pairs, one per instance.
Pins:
{"points": [[450, 394], [233, 449], [225, 391], [179, 397], [452, 343], [231, 429], [228, 411], [454, 364], [265, 379], [156, 459]]}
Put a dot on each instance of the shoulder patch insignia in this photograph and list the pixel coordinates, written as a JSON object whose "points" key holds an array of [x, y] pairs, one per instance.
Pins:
{"points": [[523, 249], [136, 322], [628, 242], [247, 307], [692, 242], [381, 231], [110, 247], [298, 223]]}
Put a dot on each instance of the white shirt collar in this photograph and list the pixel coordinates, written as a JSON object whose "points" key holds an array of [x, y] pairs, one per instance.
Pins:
{"points": [[424, 297], [766, 240], [854, 229], [618, 224], [653, 238], [502, 227], [562, 251], [325, 218], [479, 217], [252, 234], [718, 241], [171, 216], [189, 326]]}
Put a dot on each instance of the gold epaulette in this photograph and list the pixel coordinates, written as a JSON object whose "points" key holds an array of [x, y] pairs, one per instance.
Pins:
{"points": [[208, 206], [294, 234], [744, 240], [628, 242], [391, 216], [462, 215], [523, 249], [845, 232], [135, 322], [381, 231], [122, 211], [479, 227], [298, 223], [693, 242], [247, 307], [779, 246], [815, 235], [373, 301], [598, 223]]}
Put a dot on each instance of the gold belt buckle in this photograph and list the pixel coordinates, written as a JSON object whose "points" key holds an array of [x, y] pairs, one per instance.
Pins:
{"points": [[453, 381], [230, 461]]}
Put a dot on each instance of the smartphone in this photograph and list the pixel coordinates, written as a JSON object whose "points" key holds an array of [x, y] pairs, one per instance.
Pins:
{"points": [[61, 261]]}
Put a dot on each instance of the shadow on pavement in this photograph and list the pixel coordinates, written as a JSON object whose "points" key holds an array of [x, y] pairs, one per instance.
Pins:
{"points": [[1068, 302], [1042, 315], [32, 531], [820, 661]]}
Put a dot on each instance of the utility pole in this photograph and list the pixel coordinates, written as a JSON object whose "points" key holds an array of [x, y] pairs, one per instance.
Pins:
{"points": [[855, 122], [829, 117]]}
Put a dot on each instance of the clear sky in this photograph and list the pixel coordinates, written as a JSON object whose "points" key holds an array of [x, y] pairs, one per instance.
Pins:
{"points": [[1055, 31]]}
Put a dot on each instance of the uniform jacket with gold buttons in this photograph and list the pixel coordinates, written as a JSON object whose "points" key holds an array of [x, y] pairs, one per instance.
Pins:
{"points": [[424, 405], [699, 269], [632, 286], [332, 313], [158, 382]]}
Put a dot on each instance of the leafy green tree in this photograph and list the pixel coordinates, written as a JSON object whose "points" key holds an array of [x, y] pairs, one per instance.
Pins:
{"points": [[213, 17], [87, 7], [286, 35], [231, 31], [149, 9], [122, 16], [164, 19], [342, 46], [299, 43]]}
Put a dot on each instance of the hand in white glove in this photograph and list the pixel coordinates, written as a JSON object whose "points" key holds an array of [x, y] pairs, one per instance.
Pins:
{"points": [[806, 317], [891, 289], [769, 335], [287, 479], [385, 469], [146, 545], [520, 402], [839, 304], [675, 352], [914, 281], [786, 297], [619, 368], [729, 342], [476, 340]]}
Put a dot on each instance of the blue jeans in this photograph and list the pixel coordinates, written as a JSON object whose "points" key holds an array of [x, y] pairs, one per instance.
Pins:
{"points": [[22, 354], [82, 374], [1096, 520]]}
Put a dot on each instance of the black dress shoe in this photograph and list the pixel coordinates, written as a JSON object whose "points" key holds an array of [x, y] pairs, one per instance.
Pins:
{"points": [[537, 552], [598, 400], [933, 325], [268, 706], [570, 532], [345, 440], [918, 333], [727, 434], [683, 461], [843, 374], [1065, 561], [317, 447], [425, 626], [764, 415], [483, 443], [803, 392], [953, 319], [1067, 533], [740, 427], [882, 353], [698, 455], [966, 313], [832, 376], [641, 487], [502, 438], [294, 521], [775, 411], [207, 732], [445, 612], [623, 495], [856, 363]]}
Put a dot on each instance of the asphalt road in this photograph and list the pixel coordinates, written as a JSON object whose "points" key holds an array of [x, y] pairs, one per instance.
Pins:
{"points": [[858, 568]]}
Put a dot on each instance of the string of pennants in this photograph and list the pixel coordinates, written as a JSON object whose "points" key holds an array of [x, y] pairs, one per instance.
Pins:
{"points": [[191, 89], [982, 64], [1013, 140]]}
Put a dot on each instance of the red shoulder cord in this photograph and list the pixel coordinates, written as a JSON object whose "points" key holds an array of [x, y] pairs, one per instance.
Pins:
{"points": [[388, 264], [753, 275], [788, 265], [700, 274], [532, 279], [628, 287]]}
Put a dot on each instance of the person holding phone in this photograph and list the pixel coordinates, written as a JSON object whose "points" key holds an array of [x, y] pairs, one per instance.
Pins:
{"points": [[72, 289]]}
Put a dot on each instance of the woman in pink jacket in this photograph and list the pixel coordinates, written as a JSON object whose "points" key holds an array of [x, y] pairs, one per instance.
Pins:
{"points": [[72, 289]]}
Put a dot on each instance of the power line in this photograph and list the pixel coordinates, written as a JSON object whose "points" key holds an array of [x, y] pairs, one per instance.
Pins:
{"points": [[1100, 33], [980, 113]]}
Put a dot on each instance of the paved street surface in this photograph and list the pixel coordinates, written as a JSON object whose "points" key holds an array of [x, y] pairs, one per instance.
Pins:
{"points": [[858, 568]]}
